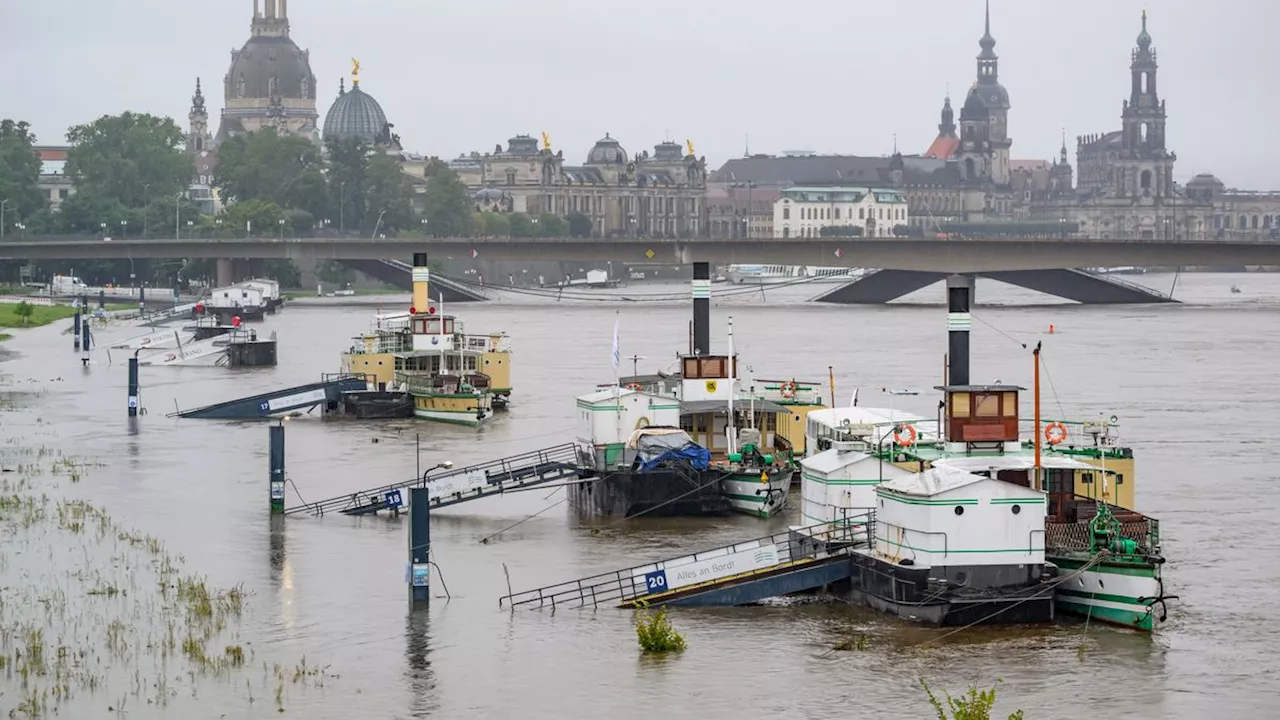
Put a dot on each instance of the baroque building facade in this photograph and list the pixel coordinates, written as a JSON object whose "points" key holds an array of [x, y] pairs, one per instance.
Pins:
{"points": [[269, 83], [662, 194]]}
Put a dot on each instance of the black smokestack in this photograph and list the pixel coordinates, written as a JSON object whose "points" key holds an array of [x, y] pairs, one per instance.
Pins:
{"points": [[959, 290], [702, 308]]}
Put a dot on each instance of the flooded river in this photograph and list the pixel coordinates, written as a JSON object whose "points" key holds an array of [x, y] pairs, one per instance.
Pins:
{"points": [[1195, 388]]}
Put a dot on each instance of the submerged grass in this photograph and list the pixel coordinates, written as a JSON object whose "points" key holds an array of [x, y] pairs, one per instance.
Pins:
{"points": [[106, 620]]}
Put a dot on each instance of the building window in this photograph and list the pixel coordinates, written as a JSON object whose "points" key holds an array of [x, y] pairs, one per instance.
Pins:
{"points": [[786, 232], [837, 213], [511, 177], [63, 193], [861, 213], [786, 213], [1255, 222], [1244, 222]]}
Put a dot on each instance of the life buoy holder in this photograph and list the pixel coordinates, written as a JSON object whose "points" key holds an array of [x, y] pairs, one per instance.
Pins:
{"points": [[788, 389], [911, 435], [634, 386], [1055, 433]]}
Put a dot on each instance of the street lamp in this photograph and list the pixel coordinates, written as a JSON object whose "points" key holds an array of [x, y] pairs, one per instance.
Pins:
{"points": [[146, 201], [21, 228], [3, 203], [177, 199], [281, 221], [441, 466], [124, 229]]}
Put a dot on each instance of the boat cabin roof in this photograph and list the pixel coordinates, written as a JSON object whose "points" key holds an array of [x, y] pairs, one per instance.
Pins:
{"points": [[936, 480], [1014, 462], [720, 407], [978, 388]]}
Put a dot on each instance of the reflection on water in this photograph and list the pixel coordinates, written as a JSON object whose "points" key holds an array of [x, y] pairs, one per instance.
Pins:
{"points": [[1175, 375]]}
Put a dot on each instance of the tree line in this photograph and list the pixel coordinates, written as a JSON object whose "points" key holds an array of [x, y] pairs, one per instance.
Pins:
{"points": [[131, 175]]}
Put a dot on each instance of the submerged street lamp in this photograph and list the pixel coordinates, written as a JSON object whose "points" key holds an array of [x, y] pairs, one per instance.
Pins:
{"points": [[447, 464]]}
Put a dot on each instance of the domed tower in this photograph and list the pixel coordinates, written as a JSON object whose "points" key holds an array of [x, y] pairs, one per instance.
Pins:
{"points": [[270, 83], [607, 151], [984, 119], [357, 114], [1061, 177]]}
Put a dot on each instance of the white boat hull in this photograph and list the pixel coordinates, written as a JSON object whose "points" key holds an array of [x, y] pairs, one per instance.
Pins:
{"points": [[161, 339], [208, 352], [748, 495]]}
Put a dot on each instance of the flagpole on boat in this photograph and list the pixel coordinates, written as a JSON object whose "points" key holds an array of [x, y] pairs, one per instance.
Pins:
{"points": [[733, 375], [1039, 481]]}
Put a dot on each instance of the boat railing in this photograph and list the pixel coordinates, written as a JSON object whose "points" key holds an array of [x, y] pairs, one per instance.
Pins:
{"points": [[1073, 534], [812, 542], [393, 342]]}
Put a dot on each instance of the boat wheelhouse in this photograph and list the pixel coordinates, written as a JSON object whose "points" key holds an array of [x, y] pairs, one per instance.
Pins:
{"points": [[452, 376]]}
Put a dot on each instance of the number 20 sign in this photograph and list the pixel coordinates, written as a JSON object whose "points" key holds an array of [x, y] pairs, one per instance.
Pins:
{"points": [[655, 582]]}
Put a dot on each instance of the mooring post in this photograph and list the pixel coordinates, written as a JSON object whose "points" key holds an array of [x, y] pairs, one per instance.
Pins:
{"points": [[277, 468], [86, 338], [133, 384], [419, 545], [102, 299], [75, 327]]}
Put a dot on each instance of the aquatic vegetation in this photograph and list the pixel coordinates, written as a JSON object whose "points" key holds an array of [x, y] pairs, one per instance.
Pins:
{"points": [[851, 643], [104, 609], [655, 632], [974, 705]]}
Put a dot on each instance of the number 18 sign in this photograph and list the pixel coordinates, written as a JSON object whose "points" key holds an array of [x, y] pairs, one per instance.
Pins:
{"points": [[655, 582]]}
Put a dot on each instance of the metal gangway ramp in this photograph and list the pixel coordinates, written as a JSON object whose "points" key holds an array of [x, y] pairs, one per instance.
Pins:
{"points": [[793, 561], [459, 485]]}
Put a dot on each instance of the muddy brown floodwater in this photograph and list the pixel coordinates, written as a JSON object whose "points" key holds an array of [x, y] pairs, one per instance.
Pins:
{"points": [[142, 577]]}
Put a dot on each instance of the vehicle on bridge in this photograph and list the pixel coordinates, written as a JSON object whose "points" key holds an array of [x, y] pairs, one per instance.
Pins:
{"points": [[791, 274]]}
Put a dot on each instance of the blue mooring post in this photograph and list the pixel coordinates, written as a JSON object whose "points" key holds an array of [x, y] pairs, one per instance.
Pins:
{"points": [[277, 468], [85, 337], [419, 545], [75, 328], [133, 385], [102, 299]]}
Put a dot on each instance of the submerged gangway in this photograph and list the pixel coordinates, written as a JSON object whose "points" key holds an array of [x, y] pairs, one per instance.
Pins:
{"points": [[459, 485], [796, 560]]}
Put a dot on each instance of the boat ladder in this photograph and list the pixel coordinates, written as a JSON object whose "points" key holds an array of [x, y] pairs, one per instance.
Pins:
{"points": [[459, 485], [755, 569]]}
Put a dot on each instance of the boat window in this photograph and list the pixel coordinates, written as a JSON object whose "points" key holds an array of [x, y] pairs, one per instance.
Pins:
{"points": [[960, 404], [986, 406], [1010, 403], [959, 509], [1016, 509], [1119, 479]]}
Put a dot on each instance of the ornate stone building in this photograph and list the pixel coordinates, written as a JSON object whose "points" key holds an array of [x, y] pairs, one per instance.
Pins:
{"points": [[270, 83], [1125, 187], [203, 158], [662, 194]]}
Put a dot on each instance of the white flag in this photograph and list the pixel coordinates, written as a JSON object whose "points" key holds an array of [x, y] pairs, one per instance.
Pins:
{"points": [[617, 353]]}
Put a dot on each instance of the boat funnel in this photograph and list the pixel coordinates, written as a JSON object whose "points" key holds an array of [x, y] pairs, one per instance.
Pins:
{"points": [[421, 280], [702, 309], [959, 294]]}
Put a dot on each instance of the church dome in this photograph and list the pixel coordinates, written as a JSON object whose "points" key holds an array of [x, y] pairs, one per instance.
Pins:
{"points": [[355, 114], [271, 66], [668, 151], [975, 105], [607, 151]]}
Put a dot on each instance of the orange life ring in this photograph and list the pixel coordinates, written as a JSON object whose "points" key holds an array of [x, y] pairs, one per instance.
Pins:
{"points": [[911, 435], [634, 386], [788, 389], [1055, 433]]}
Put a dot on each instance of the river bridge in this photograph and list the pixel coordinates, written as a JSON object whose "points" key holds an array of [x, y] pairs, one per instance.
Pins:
{"points": [[1048, 265]]}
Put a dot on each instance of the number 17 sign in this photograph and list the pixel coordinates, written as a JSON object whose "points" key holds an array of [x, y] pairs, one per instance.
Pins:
{"points": [[655, 582]]}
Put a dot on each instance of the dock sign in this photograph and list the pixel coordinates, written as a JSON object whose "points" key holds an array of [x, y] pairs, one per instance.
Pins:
{"points": [[655, 582], [394, 500]]}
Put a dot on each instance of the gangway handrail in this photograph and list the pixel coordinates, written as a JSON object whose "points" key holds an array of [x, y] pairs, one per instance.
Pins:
{"points": [[511, 469], [628, 584]]}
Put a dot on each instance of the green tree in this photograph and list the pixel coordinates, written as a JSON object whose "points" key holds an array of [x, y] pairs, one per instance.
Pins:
{"points": [[162, 212], [253, 218], [129, 158], [521, 225], [92, 213], [19, 171], [552, 226], [388, 195], [579, 225], [446, 203], [24, 310], [349, 164], [287, 171], [332, 271], [493, 224]]}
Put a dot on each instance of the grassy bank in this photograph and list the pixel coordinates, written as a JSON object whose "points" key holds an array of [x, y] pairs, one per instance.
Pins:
{"points": [[40, 315]]}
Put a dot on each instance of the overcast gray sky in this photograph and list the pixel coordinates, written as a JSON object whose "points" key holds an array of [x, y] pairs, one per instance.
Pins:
{"points": [[824, 75]]}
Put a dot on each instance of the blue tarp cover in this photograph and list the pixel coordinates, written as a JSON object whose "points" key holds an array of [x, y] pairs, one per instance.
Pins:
{"points": [[691, 453]]}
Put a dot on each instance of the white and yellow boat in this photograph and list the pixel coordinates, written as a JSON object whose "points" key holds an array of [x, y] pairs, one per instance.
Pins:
{"points": [[451, 376]]}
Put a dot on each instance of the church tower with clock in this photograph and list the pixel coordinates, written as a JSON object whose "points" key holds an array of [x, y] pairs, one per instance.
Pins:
{"points": [[984, 121]]}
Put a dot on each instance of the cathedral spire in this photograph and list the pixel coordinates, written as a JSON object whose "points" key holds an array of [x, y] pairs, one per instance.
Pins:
{"points": [[987, 43], [948, 124], [197, 100], [272, 19]]}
